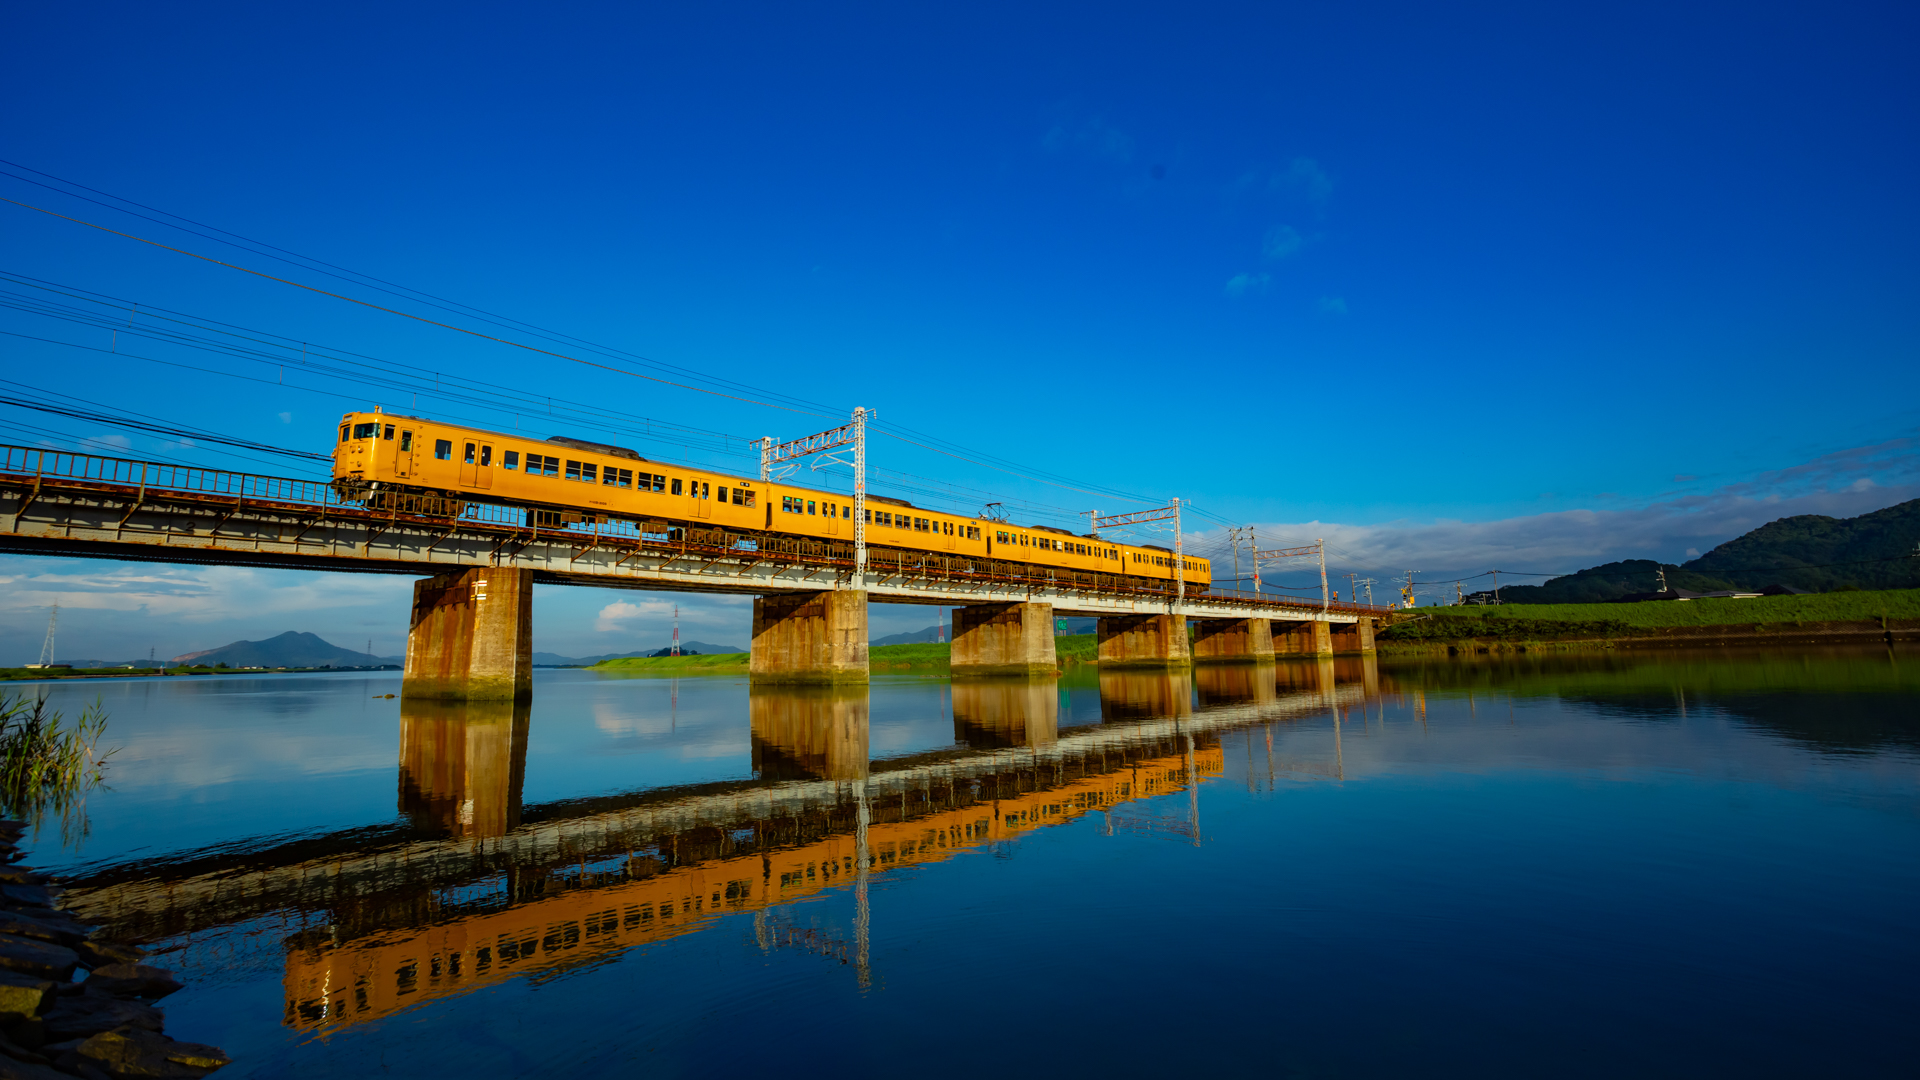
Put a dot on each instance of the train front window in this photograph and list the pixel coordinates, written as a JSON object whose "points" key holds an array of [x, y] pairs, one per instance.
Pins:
{"points": [[343, 432], [510, 460], [406, 442], [443, 449], [389, 435], [366, 431]]}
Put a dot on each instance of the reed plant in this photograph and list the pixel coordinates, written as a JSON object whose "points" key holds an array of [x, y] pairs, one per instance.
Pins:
{"points": [[48, 766]]}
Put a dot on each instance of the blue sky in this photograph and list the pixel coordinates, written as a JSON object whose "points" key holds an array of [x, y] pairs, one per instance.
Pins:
{"points": [[1461, 288]]}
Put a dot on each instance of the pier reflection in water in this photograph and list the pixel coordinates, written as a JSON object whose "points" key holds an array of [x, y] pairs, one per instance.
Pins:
{"points": [[462, 765]]}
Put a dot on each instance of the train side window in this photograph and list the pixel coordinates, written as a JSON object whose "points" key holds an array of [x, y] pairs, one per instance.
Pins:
{"points": [[509, 460], [617, 477], [749, 497], [389, 435], [676, 486], [343, 432], [486, 453], [589, 472], [406, 442], [469, 453], [443, 449], [809, 506], [573, 470]]}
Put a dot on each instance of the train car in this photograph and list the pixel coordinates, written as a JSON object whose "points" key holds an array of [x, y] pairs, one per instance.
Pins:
{"points": [[379, 457]]}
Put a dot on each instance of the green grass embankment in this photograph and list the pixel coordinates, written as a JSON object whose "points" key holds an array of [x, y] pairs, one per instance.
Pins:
{"points": [[925, 658], [703, 664], [1656, 621]]}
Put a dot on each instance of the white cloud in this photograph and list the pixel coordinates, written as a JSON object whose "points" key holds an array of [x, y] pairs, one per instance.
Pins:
{"points": [[286, 418], [1281, 241], [1242, 284], [1307, 175], [614, 617], [1093, 136], [1569, 540]]}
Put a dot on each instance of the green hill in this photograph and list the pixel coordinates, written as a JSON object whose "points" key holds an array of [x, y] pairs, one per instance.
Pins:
{"points": [[1810, 552]]}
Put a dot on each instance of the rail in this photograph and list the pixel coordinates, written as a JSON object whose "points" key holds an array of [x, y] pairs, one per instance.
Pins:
{"points": [[154, 479]]}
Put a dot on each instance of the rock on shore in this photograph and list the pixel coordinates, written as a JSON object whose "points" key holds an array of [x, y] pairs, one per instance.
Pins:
{"points": [[101, 1026]]}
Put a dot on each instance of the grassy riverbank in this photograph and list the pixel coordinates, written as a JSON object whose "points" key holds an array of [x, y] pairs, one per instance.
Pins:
{"points": [[1655, 622], [925, 658]]}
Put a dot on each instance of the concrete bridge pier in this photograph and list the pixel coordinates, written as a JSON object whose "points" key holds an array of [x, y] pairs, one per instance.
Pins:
{"points": [[471, 637], [1354, 637], [1144, 641], [462, 765], [1003, 639], [1240, 640], [809, 732], [1310, 638], [998, 714], [811, 637]]}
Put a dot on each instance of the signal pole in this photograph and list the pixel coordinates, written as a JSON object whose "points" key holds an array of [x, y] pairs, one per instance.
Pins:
{"points": [[676, 631], [1352, 597]]}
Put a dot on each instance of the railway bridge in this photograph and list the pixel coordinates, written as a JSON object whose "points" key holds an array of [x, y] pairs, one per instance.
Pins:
{"points": [[470, 635]]}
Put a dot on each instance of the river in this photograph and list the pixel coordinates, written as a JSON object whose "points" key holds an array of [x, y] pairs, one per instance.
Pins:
{"points": [[1657, 865]]}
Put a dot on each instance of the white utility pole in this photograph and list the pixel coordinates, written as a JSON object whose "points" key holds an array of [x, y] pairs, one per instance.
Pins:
{"points": [[859, 498], [1179, 562], [766, 461], [1325, 600]]}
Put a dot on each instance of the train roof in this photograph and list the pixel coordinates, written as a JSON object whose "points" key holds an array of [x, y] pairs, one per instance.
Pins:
{"points": [[598, 448]]}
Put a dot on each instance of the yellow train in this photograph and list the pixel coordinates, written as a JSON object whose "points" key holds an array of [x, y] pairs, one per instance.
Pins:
{"points": [[383, 455]]}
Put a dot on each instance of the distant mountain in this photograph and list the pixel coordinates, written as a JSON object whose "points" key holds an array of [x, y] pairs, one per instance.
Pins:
{"points": [[547, 659], [291, 649], [910, 637], [1821, 554], [1810, 552]]}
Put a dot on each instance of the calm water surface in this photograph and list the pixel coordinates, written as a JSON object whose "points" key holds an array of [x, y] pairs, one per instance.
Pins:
{"points": [[1672, 865]]}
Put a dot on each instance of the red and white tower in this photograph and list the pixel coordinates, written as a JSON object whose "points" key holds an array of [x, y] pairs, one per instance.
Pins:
{"points": [[676, 631]]}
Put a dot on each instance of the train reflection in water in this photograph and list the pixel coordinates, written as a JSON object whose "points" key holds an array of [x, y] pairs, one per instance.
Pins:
{"points": [[482, 892]]}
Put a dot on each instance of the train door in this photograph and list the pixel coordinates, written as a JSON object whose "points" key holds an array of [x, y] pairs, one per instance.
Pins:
{"points": [[403, 454], [476, 466], [833, 518], [700, 493], [948, 528]]}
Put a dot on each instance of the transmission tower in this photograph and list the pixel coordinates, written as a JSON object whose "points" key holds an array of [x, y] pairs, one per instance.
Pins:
{"points": [[46, 650]]}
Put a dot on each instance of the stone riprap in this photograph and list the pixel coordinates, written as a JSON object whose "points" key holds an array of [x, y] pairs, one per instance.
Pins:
{"points": [[104, 1024]]}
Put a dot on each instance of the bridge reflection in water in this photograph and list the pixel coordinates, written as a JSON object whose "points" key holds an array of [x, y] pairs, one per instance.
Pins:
{"points": [[480, 892]]}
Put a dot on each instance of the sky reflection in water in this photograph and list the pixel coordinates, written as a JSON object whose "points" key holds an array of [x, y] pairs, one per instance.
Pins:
{"points": [[1658, 865]]}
